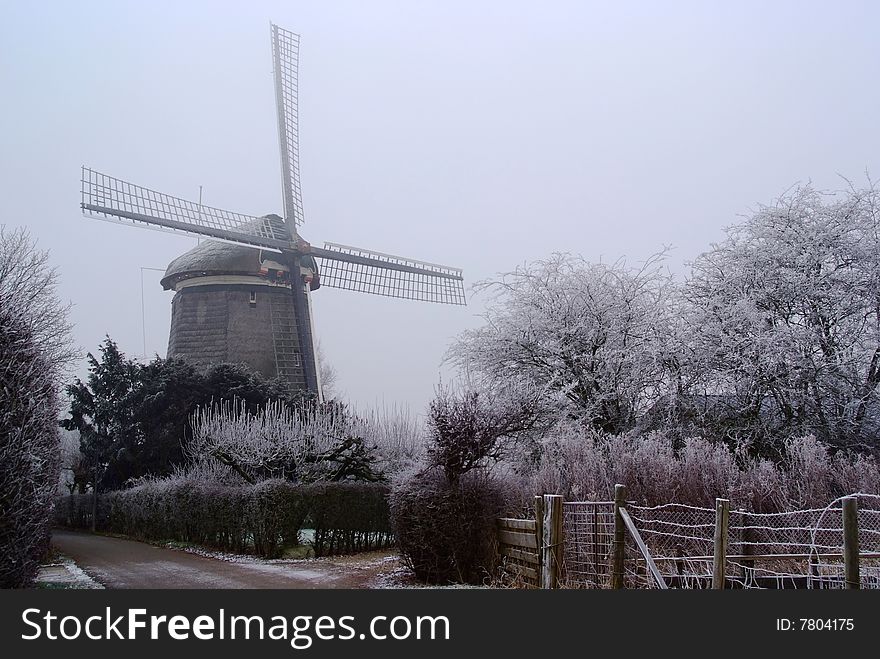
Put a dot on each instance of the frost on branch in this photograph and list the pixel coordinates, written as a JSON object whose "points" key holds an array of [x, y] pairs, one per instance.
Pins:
{"points": [[594, 335], [316, 443], [29, 293], [34, 348], [467, 429], [784, 321]]}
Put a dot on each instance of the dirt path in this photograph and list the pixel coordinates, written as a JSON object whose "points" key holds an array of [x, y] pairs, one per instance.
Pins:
{"points": [[118, 563]]}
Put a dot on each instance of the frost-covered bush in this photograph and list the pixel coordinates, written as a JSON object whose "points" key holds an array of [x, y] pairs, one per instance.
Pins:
{"points": [[29, 462], [812, 477], [398, 436], [582, 464], [275, 512], [444, 514], [702, 469], [447, 533], [470, 430], [310, 444], [34, 348], [646, 465]]}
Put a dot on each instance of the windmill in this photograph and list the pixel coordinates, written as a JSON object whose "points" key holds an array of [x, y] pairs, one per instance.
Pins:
{"points": [[245, 295]]}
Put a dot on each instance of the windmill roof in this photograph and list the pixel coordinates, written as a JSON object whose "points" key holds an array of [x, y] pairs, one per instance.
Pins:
{"points": [[212, 257]]}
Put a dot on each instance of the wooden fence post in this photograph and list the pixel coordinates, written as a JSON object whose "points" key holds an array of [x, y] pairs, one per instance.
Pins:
{"points": [[851, 541], [539, 537], [551, 546], [619, 538], [719, 563]]}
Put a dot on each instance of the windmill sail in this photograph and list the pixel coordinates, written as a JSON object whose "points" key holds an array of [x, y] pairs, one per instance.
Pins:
{"points": [[109, 198], [356, 269], [285, 57]]}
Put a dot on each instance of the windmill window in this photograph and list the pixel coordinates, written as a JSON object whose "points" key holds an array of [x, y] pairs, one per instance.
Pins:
{"points": [[253, 300]]}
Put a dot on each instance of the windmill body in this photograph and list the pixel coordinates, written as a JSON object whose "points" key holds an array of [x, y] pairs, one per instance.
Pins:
{"points": [[233, 303], [245, 295]]}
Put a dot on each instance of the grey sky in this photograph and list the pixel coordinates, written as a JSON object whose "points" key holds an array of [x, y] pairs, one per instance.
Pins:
{"points": [[479, 135]]}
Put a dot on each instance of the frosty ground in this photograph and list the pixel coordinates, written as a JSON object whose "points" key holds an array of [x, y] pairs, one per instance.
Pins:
{"points": [[121, 563]]}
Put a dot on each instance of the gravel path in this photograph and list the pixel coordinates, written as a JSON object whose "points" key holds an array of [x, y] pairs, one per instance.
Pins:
{"points": [[118, 563]]}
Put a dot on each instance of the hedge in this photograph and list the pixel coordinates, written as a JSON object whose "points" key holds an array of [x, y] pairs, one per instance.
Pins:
{"points": [[262, 519], [29, 445], [348, 517]]}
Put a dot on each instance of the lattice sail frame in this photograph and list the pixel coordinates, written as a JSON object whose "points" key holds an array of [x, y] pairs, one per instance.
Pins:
{"points": [[285, 58], [365, 271], [109, 198]]}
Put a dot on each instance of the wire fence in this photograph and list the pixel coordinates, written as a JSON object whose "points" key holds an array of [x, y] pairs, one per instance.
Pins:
{"points": [[794, 549], [588, 529]]}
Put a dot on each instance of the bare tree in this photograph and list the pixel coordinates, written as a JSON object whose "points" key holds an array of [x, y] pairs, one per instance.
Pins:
{"points": [[74, 466], [329, 376]]}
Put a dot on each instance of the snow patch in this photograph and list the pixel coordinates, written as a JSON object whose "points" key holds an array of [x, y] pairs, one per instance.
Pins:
{"points": [[66, 573]]}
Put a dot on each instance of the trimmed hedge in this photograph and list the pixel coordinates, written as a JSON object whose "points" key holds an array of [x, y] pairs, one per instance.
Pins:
{"points": [[260, 519], [348, 517]]}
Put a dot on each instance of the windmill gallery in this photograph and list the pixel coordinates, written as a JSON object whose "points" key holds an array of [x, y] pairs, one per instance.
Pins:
{"points": [[245, 295]]}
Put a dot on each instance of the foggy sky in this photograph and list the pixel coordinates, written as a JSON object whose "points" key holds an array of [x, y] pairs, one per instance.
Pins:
{"points": [[479, 135]]}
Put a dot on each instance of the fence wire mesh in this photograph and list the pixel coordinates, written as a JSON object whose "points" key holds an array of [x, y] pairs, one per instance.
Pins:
{"points": [[794, 549], [589, 541]]}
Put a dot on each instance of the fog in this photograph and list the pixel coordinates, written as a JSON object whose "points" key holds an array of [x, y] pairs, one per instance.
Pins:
{"points": [[479, 135]]}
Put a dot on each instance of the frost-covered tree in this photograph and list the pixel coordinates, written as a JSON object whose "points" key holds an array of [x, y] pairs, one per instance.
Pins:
{"points": [[29, 292], [313, 443], [597, 337], [784, 319], [35, 348]]}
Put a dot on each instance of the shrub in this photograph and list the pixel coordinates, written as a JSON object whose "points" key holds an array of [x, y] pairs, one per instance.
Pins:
{"points": [[646, 465], [446, 532], [275, 513], [348, 517], [584, 464], [468, 429], [262, 518]]}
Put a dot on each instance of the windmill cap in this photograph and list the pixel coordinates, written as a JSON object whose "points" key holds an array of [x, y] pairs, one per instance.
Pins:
{"points": [[212, 257]]}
